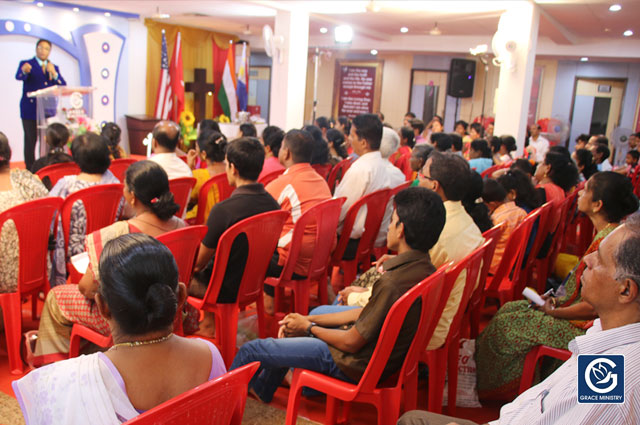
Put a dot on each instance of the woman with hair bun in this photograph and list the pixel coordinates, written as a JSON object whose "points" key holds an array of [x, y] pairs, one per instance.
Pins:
{"points": [[146, 191], [516, 329], [138, 299], [210, 148]]}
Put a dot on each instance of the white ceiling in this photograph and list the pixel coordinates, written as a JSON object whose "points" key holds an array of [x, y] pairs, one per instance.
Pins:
{"points": [[564, 22]]}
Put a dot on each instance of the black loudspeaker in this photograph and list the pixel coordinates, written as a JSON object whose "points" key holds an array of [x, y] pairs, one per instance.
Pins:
{"points": [[462, 72]]}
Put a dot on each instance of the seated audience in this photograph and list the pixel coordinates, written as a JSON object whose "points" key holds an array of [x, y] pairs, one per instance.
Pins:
{"points": [[538, 145], [343, 125], [389, 145], [146, 190], [57, 136], [441, 142], [146, 366], [526, 196], [581, 142], [320, 153], [418, 127], [507, 145], [400, 158], [368, 174], [456, 143], [473, 205], [585, 164], [601, 154], [476, 131], [419, 156], [501, 204], [610, 282], [489, 129], [407, 118], [434, 126], [247, 129], [16, 187], [449, 176], [91, 153], [556, 176], [209, 148], [244, 159], [208, 124], [319, 343], [631, 164], [323, 124], [606, 199], [337, 151], [525, 166], [297, 190], [166, 135], [480, 157], [111, 131], [271, 139]]}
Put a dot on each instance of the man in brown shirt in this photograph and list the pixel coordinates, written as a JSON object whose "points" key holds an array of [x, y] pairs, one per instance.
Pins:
{"points": [[341, 344]]}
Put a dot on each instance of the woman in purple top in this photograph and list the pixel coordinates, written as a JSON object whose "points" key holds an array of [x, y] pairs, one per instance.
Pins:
{"points": [[146, 366]]}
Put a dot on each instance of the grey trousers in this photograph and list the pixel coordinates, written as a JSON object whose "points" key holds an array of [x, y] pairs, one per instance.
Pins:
{"points": [[422, 417]]}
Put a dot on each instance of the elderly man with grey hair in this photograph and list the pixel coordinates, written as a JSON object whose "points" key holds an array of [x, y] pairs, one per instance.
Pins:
{"points": [[570, 395], [388, 145]]}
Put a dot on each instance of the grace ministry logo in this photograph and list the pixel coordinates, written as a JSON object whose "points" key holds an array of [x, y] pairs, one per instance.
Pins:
{"points": [[600, 379]]}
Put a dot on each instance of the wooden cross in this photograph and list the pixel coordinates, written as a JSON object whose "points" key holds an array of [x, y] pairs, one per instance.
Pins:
{"points": [[200, 89]]}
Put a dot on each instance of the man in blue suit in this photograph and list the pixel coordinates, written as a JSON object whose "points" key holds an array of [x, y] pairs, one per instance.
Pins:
{"points": [[36, 73]]}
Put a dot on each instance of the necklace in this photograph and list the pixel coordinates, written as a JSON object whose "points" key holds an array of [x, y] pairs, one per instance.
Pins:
{"points": [[139, 343], [164, 229]]}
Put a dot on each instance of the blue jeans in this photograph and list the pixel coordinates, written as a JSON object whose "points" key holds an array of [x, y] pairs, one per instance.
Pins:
{"points": [[328, 309], [276, 356]]}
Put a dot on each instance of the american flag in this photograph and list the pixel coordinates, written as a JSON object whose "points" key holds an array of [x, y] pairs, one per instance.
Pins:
{"points": [[164, 100]]}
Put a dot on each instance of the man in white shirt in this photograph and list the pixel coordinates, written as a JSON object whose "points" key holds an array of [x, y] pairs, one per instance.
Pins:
{"points": [[538, 145], [166, 135], [367, 174], [610, 284]]}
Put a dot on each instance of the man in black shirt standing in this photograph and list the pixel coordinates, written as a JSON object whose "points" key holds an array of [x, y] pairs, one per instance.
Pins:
{"points": [[243, 164]]}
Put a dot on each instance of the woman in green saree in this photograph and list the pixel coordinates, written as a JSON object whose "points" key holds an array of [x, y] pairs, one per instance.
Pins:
{"points": [[516, 328]]}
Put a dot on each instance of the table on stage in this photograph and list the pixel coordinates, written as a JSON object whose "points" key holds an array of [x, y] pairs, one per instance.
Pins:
{"points": [[231, 130]]}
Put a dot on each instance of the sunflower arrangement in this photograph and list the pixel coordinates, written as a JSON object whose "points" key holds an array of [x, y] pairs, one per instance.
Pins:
{"points": [[189, 133]]}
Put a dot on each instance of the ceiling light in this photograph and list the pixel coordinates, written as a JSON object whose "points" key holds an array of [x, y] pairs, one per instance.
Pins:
{"points": [[343, 34], [377, 9], [374, 52], [107, 14], [627, 33], [323, 30], [247, 30], [435, 30], [615, 8], [40, 4], [75, 9], [584, 59], [480, 49], [404, 29]]}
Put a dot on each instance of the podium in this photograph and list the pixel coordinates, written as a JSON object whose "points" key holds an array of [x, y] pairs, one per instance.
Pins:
{"points": [[63, 104]]}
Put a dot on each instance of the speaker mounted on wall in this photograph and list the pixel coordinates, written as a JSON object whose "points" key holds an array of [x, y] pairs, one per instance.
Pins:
{"points": [[460, 79]]}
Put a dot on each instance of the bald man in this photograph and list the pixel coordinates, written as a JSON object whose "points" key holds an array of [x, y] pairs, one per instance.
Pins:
{"points": [[166, 135]]}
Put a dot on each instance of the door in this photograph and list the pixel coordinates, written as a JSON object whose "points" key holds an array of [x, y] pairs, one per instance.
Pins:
{"points": [[428, 94], [596, 107]]}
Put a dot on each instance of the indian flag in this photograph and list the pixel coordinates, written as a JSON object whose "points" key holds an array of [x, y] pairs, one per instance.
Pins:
{"points": [[227, 96]]}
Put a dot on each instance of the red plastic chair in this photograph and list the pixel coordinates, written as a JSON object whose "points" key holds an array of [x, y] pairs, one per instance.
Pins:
{"points": [[57, 171], [224, 191], [100, 202], [444, 360], [220, 401], [33, 223], [376, 203], [385, 396], [325, 216], [338, 172], [477, 299], [181, 189], [541, 235], [262, 232], [268, 178], [544, 266], [119, 167], [183, 244], [532, 359], [322, 169], [505, 283]]}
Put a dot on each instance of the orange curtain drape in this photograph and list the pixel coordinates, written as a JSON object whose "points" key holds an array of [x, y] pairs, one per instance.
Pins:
{"points": [[197, 52]]}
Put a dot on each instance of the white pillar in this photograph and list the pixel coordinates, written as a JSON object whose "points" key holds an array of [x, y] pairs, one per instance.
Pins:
{"points": [[289, 72], [518, 24]]}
